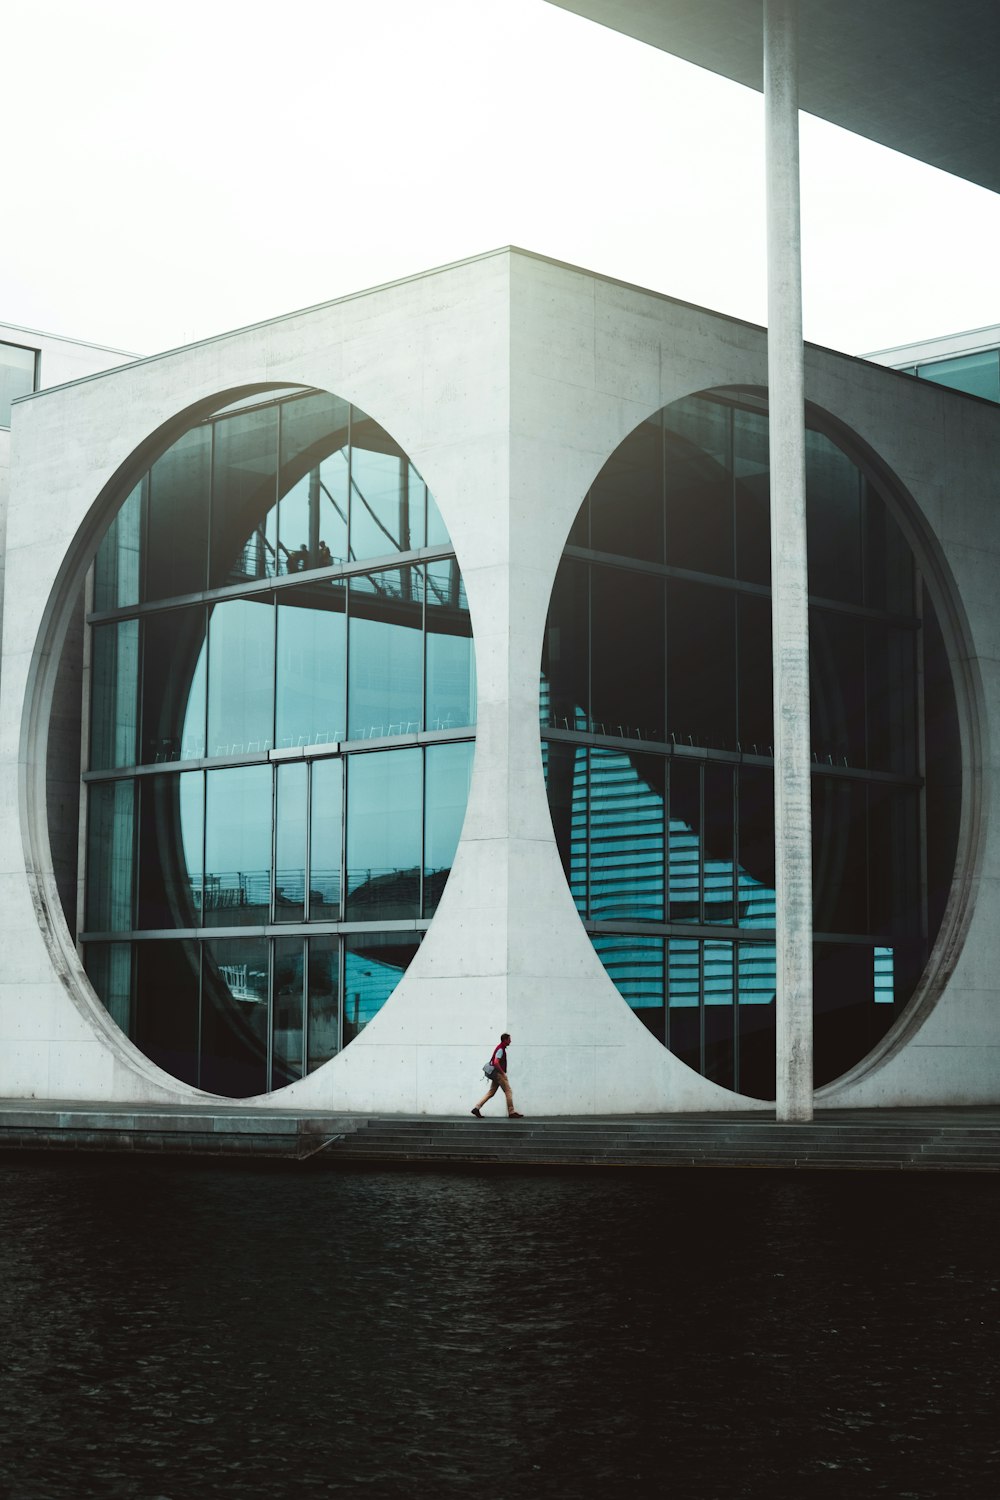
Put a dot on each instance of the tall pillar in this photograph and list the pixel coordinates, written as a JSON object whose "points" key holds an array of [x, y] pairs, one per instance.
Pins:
{"points": [[789, 589]]}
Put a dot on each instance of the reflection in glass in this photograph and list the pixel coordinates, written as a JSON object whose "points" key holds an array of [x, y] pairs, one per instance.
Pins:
{"points": [[290, 843], [448, 771], [326, 840], [684, 999], [720, 1014], [109, 969], [374, 963], [173, 686], [244, 496], [176, 550], [626, 836], [240, 676], [114, 695], [171, 822], [383, 519], [311, 676], [234, 1016], [451, 670], [110, 855], [312, 512], [567, 782], [238, 846], [386, 650], [165, 1007], [117, 564], [383, 835], [323, 1028], [635, 965], [287, 1030]]}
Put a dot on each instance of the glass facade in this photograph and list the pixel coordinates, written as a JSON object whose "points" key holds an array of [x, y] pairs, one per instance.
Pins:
{"points": [[282, 713], [976, 374], [656, 708], [18, 376]]}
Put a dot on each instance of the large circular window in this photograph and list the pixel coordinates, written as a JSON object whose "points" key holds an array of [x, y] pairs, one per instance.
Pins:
{"points": [[657, 737], [280, 730]]}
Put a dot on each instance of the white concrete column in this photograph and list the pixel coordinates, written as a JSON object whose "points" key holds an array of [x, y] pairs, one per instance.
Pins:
{"points": [[790, 621]]}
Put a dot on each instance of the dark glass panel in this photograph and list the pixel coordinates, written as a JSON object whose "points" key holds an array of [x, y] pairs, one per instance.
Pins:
{"points": [[720, 1014], [701, 665], [943, 766], [755, 679], [719, 835], [566, 779], [118, 560], [888, 559], [752, 483], [975, 374], [165, 1010], [177, 536], [173, 686], [171, 832], [756, 988], [627, 654], [386, 649], [447, 774], [323, 1030], [326, 840], [240, 676], [114, 700], [894, 866], [838, 688], [287, 1030], [234, 1016], [290, 843], [110, 855], [451, 662], [384, 516], [238, 847], [579, 532], [374, 963], [843, 1007], [244, 498], [699, 486], [684, 995], [635, 967], [566, 648], [626, 499], [892, 698], [313, 482], [840, 855], [833, 521], [109, 969], [384, 817], [311, 684], [685, 842], [626, 836], [755, 848]]}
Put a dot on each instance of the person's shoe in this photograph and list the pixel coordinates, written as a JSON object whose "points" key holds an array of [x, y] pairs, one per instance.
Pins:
{"points": [[515, 1114], [477, 1114]]}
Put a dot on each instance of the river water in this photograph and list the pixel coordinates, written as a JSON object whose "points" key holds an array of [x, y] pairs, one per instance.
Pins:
{"points": [[182, 1330]]}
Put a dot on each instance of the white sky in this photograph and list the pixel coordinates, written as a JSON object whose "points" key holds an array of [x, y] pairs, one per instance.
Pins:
{"points": [[174, 169]]}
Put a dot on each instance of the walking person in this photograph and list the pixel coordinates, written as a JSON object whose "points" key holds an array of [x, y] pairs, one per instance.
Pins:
{"points": [[496, 1069]]}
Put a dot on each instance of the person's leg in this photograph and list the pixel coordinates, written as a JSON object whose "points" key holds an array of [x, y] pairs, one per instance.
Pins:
{"points": [[494, 1085], [505, 1085]]}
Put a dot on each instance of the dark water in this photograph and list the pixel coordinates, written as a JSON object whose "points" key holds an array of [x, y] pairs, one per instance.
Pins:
{"points": [[183, 1331]]}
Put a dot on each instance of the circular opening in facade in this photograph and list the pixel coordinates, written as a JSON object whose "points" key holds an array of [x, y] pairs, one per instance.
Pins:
{"points": [[656, 708], [280, 722]]}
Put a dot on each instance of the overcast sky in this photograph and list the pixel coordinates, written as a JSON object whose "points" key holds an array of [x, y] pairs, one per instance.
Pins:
{"points": [[177, 169]]}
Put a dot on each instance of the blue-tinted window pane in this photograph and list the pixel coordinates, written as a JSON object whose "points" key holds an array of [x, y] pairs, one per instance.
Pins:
{"points": [[240, 677], [114, 695], [287, 1029], [312, 667], [719, 835], [448, 771], [565, 769], [290, 843], [176, 552], [110, 855], [684, 838], [635, 966], [885, 989], [238, 846], [976, 374], [383, 519], [323, 1025], [451, 662], [312, 511], [171, 832], [755, 833], [373, 966], [626, 836], [327, 840], [165, 1011], [244, 498], [109, 969], [684, 995], [384, 816], [173, 686], [17, 377], [386, 651], [116, 567], [234, 1016]]}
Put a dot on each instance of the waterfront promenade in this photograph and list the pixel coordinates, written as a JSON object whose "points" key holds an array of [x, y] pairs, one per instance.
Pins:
{"points": [[965, 1140]]}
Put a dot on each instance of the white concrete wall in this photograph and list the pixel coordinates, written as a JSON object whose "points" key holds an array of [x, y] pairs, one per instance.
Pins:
{"points": [[509, 380]]}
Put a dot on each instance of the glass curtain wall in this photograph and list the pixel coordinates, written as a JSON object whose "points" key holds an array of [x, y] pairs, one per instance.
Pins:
{"points": [[656, 707], [281, 734]]}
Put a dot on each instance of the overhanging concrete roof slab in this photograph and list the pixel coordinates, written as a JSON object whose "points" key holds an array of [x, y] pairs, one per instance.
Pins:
{"points": [[919, 76]]}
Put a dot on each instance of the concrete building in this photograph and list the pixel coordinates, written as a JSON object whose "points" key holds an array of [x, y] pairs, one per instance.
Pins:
{"points": [[425, 692]]}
